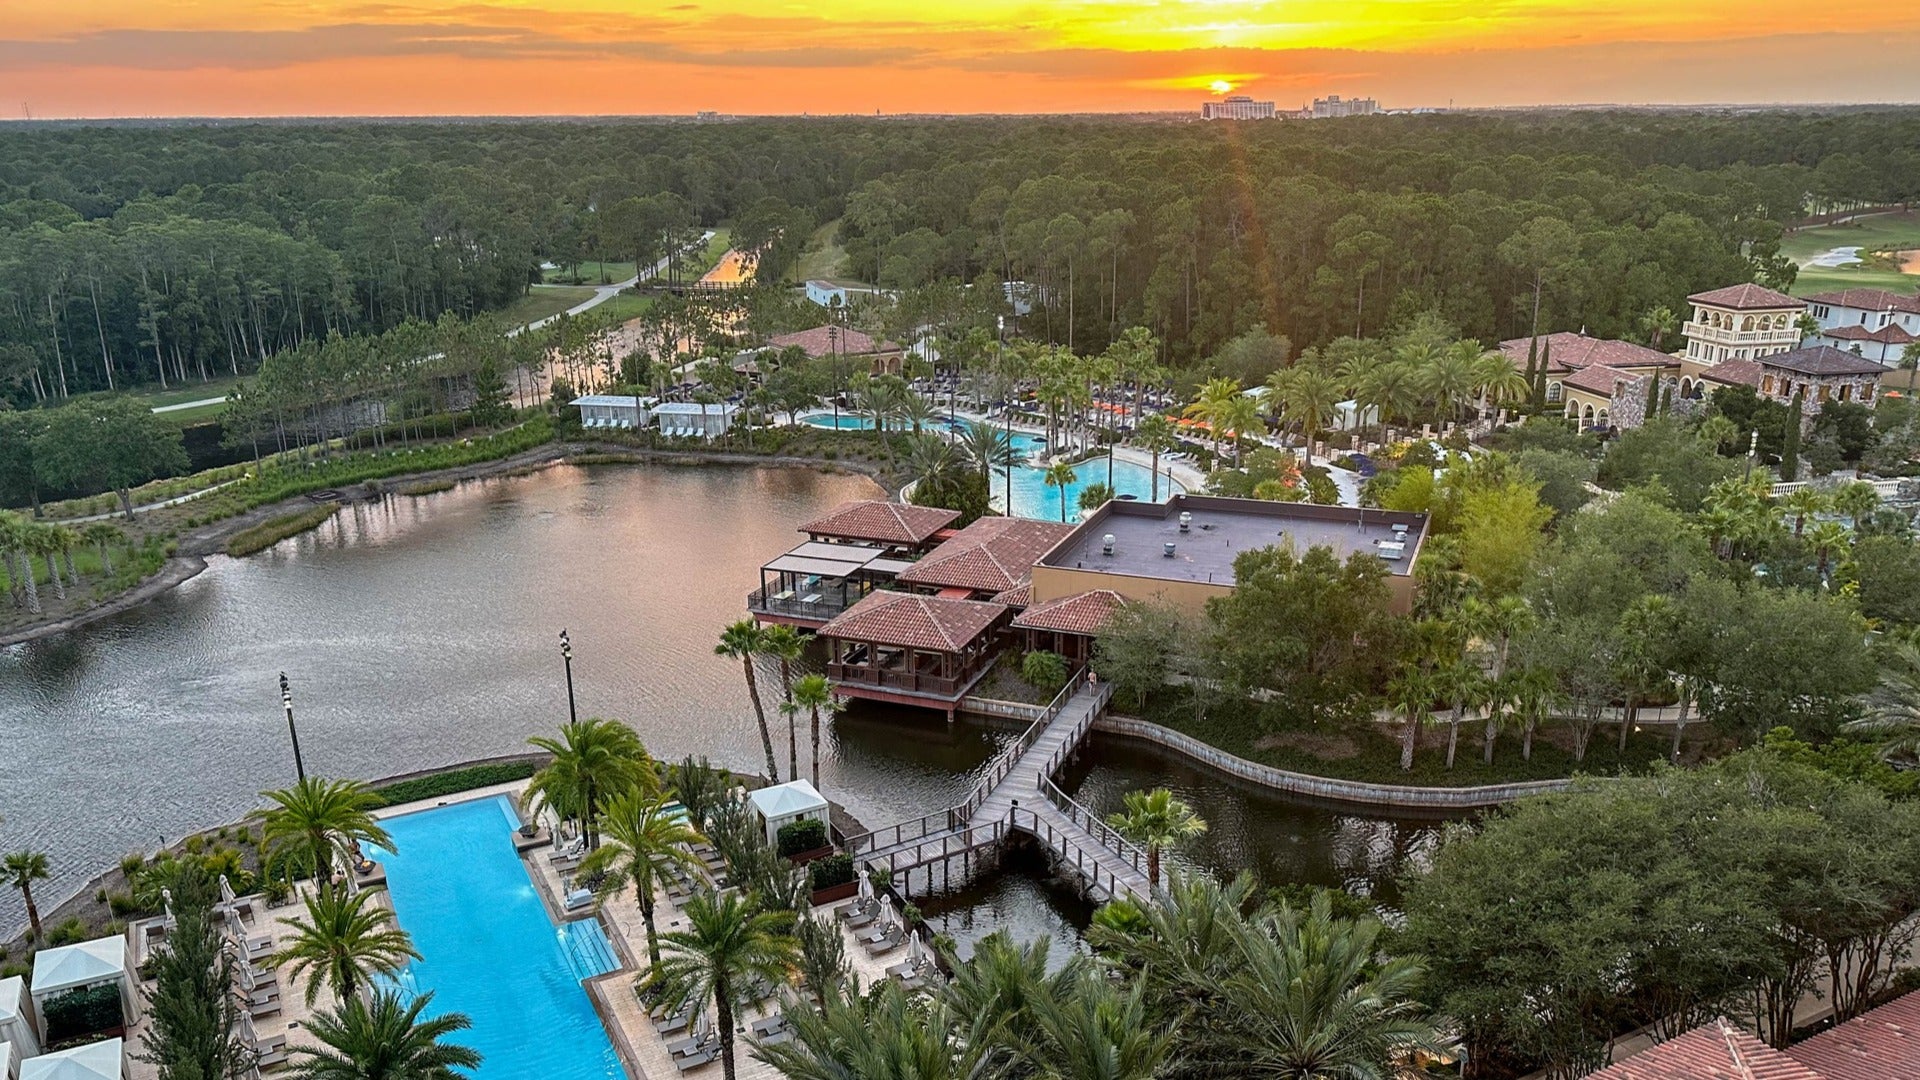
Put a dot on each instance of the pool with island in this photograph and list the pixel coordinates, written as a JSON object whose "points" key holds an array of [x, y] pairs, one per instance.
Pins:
{"points": [[489, 949]]}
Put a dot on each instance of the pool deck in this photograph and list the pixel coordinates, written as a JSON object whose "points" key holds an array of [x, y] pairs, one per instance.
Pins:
{"points": [[643, 1050]]}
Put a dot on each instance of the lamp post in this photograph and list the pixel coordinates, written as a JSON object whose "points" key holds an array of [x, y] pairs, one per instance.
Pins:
{"points": [[1753, 451], [566, 653], [293, 733], [1000, 359]]}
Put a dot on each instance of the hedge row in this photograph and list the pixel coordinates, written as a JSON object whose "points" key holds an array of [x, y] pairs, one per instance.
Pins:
{"points": [[453, 782]]}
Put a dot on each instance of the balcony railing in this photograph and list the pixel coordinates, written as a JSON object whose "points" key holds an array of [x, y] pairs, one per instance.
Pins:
{"points": [[821, 604], [912, 682]]}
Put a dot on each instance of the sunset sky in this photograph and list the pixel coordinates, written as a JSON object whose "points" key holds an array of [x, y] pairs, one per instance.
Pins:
{"points": [[86, 58]]}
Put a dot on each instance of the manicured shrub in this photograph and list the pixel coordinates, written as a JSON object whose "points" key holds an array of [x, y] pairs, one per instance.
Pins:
{"points": [[453, 781], [806, 834], [81, 1012], [830, 871], [1046, 670]]}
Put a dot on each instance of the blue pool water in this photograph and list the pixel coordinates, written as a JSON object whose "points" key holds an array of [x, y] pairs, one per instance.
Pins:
{"points": [[1032, 497], [489, 949]]}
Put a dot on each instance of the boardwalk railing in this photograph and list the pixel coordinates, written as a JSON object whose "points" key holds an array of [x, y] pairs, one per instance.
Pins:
{"points": [[1009, 756], [1071, 852], [906, 832], [938, 848]]}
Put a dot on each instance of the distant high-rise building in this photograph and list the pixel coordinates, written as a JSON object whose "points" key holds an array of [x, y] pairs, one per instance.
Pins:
{"points": [[1334, 105], [1237, 107]]}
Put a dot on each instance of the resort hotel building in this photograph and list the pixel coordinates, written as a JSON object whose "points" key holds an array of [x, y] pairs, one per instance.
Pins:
{"points": [[913, 612]]}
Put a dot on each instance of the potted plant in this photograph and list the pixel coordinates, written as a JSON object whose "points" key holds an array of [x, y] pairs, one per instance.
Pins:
{"points": [[832, 877]]}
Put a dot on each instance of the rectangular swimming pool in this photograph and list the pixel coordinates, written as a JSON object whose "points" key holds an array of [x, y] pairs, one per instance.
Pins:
{"points": [[489, 949]]}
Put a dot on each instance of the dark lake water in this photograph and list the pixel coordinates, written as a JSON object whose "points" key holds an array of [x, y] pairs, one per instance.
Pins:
{"points": [[423, 631]]}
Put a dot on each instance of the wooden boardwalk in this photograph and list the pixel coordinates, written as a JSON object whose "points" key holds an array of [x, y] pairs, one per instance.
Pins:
{"points": [[1018, 794]]}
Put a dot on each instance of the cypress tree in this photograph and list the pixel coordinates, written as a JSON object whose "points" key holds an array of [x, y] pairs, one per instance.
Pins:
{"points": [[1540, 377], [1790, 446], [1533, 362]]}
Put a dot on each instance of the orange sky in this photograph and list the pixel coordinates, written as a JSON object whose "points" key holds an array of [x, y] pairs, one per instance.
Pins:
{"points": [[72, 58]]}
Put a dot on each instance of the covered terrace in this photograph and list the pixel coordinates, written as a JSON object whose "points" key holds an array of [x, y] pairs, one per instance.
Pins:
{"points": [[909, 649], [818, 580]]}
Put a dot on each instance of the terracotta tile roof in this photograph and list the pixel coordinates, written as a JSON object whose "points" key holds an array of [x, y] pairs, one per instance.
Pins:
{"points": [[882, 522], [1081, 613], [912, 621], [1567, 351], [1734, 373], [1600, 379], [1883, 1044], [1019, 596], [827, 340], [1890, 334], [993, 554], [1716, 1051], [1822, 360], [1747, 297], [1868, 300]]}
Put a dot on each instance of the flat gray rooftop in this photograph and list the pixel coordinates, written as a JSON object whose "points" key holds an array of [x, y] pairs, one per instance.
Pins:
{"points": [[1223, 528]]}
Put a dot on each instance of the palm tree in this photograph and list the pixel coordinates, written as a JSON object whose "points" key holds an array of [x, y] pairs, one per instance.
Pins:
{"points": [[1500, 382], [1100, 1032], [1657, 324], [1451, 377], [1060, 475], [890, 1035], [729, 946], [1390, 389], [22, 869], [1533, 694], [1826, 538], [1216, 396], [640, 841], [103, 536], [1460, 683], [987, 448], [43, 540], [1241, 416], [593, 760], [1310, 997], [1802, 503], [1894, 709], [1411, 693], [786, 646], [1094, 496], [1156, 821], [1307, 397], [383, 1038], [813, 693], [1857, 501], [915, 410], [16, 545], [741, 641], [1910, 360], [1158, 435], [315, 818], [344, 942]]}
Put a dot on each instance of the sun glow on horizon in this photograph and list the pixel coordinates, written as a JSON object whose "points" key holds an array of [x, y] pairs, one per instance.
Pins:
{"points": [[1221, 86]]}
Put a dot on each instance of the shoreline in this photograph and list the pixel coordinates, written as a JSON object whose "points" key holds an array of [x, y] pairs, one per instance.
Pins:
{"points": [[191, 551]]}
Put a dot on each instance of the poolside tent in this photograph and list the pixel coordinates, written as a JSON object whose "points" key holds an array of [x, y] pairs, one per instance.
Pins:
{"points": [[106, 1060], [9, 1062], [783, 803], [614, 410], [77, 967], [16, 1019], [693, 420]]}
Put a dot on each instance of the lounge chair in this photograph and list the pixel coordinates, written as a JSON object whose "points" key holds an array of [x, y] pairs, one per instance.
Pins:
{"points": [[891, 941], [674, 1024], [694, 1061], [782, 1036], [767, 1025], [572, 849], [259, 948], [865, 918], [693, 1043], [854, 907], [578, 899], [265, 1009], [902, 969]]}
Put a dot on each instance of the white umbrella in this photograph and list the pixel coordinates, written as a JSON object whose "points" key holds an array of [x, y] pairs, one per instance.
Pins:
{"points": [[866, 891], [246, 976], [886, 909], [166, 904], [247, 1034], [235, 927], [914, 950], [226, 889]]}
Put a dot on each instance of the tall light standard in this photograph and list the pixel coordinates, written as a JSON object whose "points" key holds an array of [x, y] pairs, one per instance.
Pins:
{"points": [[293, 733], [566, 653], [1753, 451], [1000, 361]]}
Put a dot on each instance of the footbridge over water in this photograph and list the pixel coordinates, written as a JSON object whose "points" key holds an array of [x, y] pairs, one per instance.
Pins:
{"points": [[1018, 794]]}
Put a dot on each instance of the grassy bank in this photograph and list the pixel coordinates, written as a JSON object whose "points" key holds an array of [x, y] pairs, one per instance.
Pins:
{"points": [[268, 533], [543, 302], [1371, 752]]}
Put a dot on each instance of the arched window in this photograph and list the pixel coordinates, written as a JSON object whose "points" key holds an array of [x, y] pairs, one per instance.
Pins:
{"points": [[1746, 323], [1553, 390], [1766, 385]]}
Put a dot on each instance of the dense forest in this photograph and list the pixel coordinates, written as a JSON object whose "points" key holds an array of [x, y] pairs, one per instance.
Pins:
{"points": [[136, 255]]}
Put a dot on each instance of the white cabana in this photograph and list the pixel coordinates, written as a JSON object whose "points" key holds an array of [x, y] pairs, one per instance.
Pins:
{"points": [[614, 410], [692, 419], [783, 803], [16, 1019], [9, 1062], [78, 967], [105, 1060]]}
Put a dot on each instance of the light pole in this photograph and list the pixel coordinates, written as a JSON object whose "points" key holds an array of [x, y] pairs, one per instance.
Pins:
{"points": [[567, 654], [293, 733], [1000, 360], [1753, 451]]}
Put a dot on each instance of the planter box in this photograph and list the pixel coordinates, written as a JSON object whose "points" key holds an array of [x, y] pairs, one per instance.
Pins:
{"points": [[805, 857], [836, 892]]}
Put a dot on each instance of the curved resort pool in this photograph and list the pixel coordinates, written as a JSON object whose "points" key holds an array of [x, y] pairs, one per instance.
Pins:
{"points": [[488, 948], [1032, 496]]}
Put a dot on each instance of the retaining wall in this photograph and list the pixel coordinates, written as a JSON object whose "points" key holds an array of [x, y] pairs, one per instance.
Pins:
{"points": [[1351, 792]]}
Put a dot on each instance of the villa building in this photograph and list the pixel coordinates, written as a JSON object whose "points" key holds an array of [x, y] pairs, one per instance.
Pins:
{"points": [[1236, 107], [883, 357], [1874, 323], [1596, 382], [1880, 1044], [851, 551], [1741, 322], [1821, 372], [910, 649]]}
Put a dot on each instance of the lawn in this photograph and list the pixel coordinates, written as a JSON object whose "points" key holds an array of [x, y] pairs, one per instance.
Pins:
{"points": [[624, 306], [193, 391], [541, 302], [590, 273], [1819, 279], [823, 256]]}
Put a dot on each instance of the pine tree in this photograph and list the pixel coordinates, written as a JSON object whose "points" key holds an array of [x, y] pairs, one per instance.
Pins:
{"points": [[191, 1034], [1790, 446]]}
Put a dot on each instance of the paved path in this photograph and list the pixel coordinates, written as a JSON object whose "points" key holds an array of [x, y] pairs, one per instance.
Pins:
{"points": [[144, 507], [181, 407]]}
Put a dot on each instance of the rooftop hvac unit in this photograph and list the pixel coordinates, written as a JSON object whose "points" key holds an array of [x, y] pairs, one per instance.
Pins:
{"points": [[1186, 523], [1167, 549], [1392, 550], [1106, 544]]}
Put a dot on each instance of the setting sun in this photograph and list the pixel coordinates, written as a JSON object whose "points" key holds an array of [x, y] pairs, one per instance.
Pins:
{"points": [[1220, 86]]}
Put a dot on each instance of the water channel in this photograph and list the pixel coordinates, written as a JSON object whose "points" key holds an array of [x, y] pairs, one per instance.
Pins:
{"points": [[420, 631]]}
